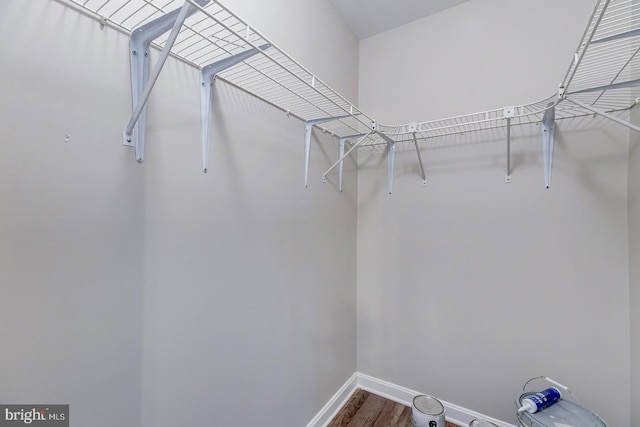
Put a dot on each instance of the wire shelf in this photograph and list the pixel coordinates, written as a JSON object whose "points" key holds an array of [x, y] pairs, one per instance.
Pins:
{"points": [[215, 33], [600, 74], [606, 62]]}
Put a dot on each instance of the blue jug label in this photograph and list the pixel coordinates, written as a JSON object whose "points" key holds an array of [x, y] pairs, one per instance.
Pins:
{"points": [[545, 397]]}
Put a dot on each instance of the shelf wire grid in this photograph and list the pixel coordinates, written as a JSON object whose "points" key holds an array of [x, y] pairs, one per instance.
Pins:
{"points": [[214, 33], [603, 58], [608, 55]]}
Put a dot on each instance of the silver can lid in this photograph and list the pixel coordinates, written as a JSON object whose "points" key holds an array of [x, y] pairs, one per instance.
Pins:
{"points": [[477, 422], [428, 405]]}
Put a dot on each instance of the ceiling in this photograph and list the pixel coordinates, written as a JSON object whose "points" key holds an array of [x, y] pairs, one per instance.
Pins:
{"points": [[367, 18]]}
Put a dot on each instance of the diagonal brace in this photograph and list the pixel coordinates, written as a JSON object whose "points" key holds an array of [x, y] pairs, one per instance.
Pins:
{"points": [[605, 114], [341, 143], [307, 140], [207, 74], [356, 145], [141, 82], [626, 34], [619, 85]]}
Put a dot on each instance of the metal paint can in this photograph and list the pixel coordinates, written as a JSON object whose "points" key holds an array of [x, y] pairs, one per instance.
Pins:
{"points": [[477, 422], [427, 411]]}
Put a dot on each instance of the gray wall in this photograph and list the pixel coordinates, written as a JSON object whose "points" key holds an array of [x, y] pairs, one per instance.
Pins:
{"points": [[470, 286], [155, 295]]}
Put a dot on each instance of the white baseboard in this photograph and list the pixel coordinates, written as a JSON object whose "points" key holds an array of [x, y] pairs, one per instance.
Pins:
{"points": [[336, 403], [454, 413]]}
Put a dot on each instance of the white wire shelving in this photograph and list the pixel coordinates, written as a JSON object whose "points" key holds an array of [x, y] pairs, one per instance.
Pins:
{"points": [[602, 77], [214, 33], [603, 74]]}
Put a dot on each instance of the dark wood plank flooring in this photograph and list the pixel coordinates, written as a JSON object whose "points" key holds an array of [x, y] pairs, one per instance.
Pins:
{"points": [[365, 409]]}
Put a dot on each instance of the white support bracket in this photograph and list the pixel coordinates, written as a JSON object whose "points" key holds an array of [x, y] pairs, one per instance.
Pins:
{"points": [[413, 127], [619, 85], [605, 114], [141, 82], [207, 74], [307, 141], [391, 157], [415, 143], [341, 143], [508, 113], [508, 176], [340, 154], [626, 34], [342, 157], [548, 134]]}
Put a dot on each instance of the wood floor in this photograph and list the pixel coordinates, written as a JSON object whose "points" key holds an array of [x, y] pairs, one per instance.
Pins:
{"points": [[366, 409]]}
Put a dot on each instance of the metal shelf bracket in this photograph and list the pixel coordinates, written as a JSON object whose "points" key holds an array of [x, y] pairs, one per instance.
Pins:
{"points": [[340, 154], [307, 141], [207, 74], [141, 82], [548, 133], [508, 176], [604, 114], [601, 76], [343, 156], [341, 144], [415, 143], [391, 157], [508, 113]]}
